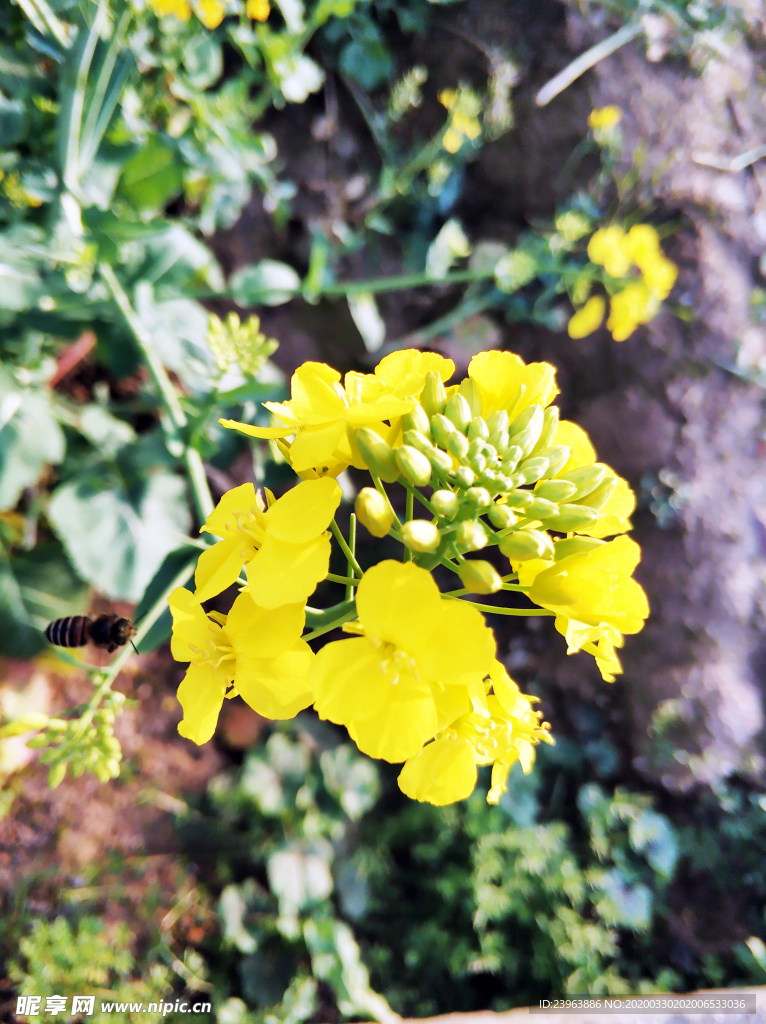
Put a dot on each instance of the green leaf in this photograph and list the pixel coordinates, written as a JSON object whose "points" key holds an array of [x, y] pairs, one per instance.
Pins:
{"points": [[152, 177], [268, 283], [178, 328], [117, 539], [366, 60], [13, 121], [652, 834], [620, 904], [30, 438], [203, 60]]}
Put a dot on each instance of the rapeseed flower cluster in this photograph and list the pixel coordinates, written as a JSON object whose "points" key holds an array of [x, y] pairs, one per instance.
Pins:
{"points": [[638, 277], [464, 108], [210, 12], [416, 680]]}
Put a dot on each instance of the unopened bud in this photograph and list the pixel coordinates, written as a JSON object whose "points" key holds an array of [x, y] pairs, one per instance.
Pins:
{"points": [[421, 535], [377, 454], [478, 497], [520, 499], [442, 429], [445, 504], [457, 445], [498, 421], [550, 426], [499, 439], [502, 517], [488, 478], [440, 461], [469, 390], [413, 465], [557, 457], [373, 512], [459, 412], [480, 577], [574, 546], [555, 490], [471, 535], [527, 436], [478, 429], [539, 508], [417, 440], [433, 397], [585, 479], [28, 723], [531, 470], [56, 774], [416, 419], [511, 458], [506, 483], [572, 517], [525, 544], [465, 477], [490, 454], [600, 495]]}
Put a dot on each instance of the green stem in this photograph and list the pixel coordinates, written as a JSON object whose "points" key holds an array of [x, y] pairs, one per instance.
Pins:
{"points": [[352, 545], [349, 581], [346, 549], [381, 490], [399, 282], [505, 611], [346, 616], [168, 395]]}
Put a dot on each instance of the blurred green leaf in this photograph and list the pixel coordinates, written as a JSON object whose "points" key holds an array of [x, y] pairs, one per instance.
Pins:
{"points": [[268, 283], [13, 121], [152, 177], [30, 437]]}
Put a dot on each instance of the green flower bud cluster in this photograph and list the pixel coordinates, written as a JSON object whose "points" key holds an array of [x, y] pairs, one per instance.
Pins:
{"points": [[79, 745]]}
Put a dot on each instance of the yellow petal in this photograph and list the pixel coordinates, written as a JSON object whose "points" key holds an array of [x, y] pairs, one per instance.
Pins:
{"points": [[277, 687], [190, 624], [221, 520], [399, 729], [582, 451], [283, 573], [506, 382], [349, 680], [304, 512], [443, 772], [398, 603], [462, 646], [316, 394], [210, 12], [218, 567], [615, 513], [588, 318], [253, 431], [404, 372], [451, 702], [258, 10], [201, 696], [263, 632], [316, 448]]}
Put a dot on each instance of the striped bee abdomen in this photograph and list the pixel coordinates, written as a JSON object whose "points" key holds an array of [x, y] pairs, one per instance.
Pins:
{"points": [[69, 632]]}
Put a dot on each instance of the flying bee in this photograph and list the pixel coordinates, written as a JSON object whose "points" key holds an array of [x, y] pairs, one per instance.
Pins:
{"points": [[107, 631]]}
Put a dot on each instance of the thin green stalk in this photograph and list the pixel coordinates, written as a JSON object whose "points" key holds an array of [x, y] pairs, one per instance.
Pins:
{"points": [[351, 557], [398, 282], [321, 630], [168, 395], [381, 490], [349, 581], [506, 586], [505, 611], [352, 545]]}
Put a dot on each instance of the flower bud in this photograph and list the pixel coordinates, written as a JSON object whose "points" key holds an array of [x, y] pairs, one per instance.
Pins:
{"points": [[599, 497], [574, 546], [377, 454], [499, 440], [416, 419], [490, 453], [478, 497], [475, 446], [459, 412], [531, 470], [527, 436], [478, 429], [502, 517], [417, 440], [585, 479], [506, 483], [457, 445], [477, 462], [550, 426], [27, 723], [557, 457], [539, 508], [525, 544], [488, 478], [520, 499], [471, 535], [480, 577], [413, 465], [440, 461], [469, 390], [555, 490], [433, 397], [572, 517], [442, 429], [511, 457], [421, 535], [498, 421], [465, 477], [445, 504]]}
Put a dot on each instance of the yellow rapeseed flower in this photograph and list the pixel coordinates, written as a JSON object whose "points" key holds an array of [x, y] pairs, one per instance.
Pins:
{"points": [[588, 318], [501, 728], [210, 12], [506, 382], [413, 668], [256, 650], [322, 415], [608, 248], [636, 304], [604, 118], [464, 107], [180, 8], [285, 548]]}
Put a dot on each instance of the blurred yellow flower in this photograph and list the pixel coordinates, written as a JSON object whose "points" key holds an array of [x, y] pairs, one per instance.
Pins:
{"points": [[588, 318], [257, 650], [464, 107], [258, 10], [180, 8], [210, 12], [636, 304], [604, 118], [608, 249]]}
